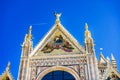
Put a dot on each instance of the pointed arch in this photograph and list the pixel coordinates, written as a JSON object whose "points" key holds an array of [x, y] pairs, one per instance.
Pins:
{"points": [[55, 68]]}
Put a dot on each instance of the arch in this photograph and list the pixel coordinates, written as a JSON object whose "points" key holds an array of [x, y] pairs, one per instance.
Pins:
{"points": [[55, 68], [58, 75]]}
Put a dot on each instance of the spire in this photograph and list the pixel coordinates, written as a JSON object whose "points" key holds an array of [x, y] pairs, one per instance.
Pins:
{"points": [[27, 46], [57, 17], [30, 29], [86, 26], [89, 45], [8, 67], [87, 32], [29, 32], [114, 65], [28, 37], [113, 58]]}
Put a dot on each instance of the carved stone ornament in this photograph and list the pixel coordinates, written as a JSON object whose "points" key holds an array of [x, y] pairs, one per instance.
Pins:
{"points": [[58, 43]]}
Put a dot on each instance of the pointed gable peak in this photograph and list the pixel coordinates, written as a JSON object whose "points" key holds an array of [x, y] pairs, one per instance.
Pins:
{"points": [[102, 58], [6, 75], [8, 67], [58, 40], [101, 55]]}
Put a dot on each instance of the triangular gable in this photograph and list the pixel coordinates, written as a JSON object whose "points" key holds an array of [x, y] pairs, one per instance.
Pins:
{"points": [[6, 75], [102, 59], [58, 31]]}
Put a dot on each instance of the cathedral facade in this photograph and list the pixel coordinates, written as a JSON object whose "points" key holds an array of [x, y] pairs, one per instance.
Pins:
{"points": [[60, 51]]}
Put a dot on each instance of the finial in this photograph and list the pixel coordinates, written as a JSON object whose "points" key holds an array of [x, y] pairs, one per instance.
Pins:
{"points": [[87, 32], [57, 16], [30, 29], [86, 26], [108, 58], [101, 49], [29, 35], [8, 67]]}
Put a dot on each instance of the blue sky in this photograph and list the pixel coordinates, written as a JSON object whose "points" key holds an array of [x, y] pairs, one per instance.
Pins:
{"points": [[102, 16]]}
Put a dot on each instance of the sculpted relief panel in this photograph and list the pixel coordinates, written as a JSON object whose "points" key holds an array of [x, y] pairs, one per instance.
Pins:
{"points": [[58, 43]]}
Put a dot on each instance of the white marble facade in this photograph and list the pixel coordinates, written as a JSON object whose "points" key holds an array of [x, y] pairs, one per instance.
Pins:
{"points": [[59, 50]]}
